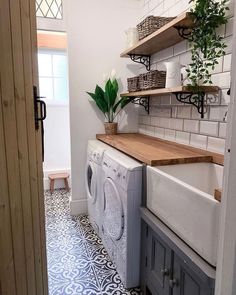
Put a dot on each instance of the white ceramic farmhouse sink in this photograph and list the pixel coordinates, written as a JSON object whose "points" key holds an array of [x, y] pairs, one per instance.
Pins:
{"points": [[182, 196]]}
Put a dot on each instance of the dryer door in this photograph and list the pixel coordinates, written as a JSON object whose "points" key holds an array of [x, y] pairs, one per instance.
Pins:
{"points": [[113, 210], [91, 182]]}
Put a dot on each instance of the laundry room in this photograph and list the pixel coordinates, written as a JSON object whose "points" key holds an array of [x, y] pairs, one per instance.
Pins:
{"points": [[119, 175], [153, 135]]}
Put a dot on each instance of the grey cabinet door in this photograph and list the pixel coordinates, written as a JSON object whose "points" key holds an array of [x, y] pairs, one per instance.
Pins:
{"points": [[144, 253], [186, 282], [165, 270], [158, 264]]}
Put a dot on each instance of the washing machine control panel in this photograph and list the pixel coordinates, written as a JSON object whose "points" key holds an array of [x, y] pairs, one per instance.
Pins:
{"points": [[116, 172], [95, 156]]}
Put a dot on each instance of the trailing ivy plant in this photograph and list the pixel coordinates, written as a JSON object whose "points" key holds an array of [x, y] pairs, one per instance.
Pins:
{"points": [[207, 45]]}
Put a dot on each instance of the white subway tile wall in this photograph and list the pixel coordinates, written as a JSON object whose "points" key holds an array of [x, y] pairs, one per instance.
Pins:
{"points": [[171, 120], [182, 137], [222, 130], [216, 145]]}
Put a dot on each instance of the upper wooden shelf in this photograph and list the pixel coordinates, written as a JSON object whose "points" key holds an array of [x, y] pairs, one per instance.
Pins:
{"points": [[179, 89], [163, 38]]}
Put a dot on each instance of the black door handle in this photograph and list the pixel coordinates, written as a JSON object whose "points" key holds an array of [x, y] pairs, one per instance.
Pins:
{"points": [[173, 283], [43, 110], [40, 113]]}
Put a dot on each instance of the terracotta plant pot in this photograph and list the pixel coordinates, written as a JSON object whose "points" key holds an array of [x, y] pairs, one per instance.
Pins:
{"points": [[110, 128]]}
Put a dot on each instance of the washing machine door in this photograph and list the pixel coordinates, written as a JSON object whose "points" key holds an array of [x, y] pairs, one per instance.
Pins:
{"points": [[91, 182], [113, 210]]}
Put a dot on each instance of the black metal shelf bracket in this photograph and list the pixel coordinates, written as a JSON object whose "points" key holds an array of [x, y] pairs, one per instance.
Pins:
{"points": [[184, 32], [142, 59], [196, 99], [143, 101]]}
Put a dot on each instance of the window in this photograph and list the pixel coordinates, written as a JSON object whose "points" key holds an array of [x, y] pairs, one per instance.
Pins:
{"points": [[49, 8], [53, 78]]}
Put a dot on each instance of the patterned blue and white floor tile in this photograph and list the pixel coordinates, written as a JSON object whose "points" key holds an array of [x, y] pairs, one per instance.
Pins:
{"points": [[78, 264]]}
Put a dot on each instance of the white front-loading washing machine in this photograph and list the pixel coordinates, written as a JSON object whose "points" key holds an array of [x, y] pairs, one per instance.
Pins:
{"points": [[122, 192], [95, 151]]}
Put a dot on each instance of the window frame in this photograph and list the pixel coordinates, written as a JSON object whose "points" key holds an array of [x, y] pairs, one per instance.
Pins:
{"points": [[53, 51], [43, 16]]}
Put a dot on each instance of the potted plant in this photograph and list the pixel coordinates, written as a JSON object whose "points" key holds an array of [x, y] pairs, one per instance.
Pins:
{"points": [[108, 102], [206, 43]]}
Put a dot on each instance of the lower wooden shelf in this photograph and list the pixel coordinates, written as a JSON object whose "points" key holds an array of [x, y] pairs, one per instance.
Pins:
{"points": [[184, 94]]}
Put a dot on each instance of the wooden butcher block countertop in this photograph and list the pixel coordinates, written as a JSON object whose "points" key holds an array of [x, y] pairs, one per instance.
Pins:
{"points": [[156, 152]]}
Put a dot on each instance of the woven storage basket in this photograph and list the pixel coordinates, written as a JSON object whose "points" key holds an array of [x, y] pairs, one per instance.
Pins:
{"points": [[152, 80], [151, 24], [133, 84]]}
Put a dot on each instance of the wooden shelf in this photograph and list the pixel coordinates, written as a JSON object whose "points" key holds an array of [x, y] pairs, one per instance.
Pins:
{"points": [[163, 91], [163, 38], [168, 35]]}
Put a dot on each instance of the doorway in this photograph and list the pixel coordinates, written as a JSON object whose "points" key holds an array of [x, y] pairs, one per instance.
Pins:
{"points": [[54, 90]]}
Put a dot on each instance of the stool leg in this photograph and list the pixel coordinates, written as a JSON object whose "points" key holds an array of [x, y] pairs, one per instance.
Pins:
{"points": [[66, 184], [51, 186]]}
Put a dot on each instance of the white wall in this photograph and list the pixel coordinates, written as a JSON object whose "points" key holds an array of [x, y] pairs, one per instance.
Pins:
{"points": [[95, 40], [172, 120], [56, 142], [226, 265]]}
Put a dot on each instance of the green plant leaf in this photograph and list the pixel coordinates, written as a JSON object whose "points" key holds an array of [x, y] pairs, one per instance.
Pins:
{"points": [[126, 100], [93, 96], [206, 43], [115, 85], [110, 94], [122, 102], [99, 99]]}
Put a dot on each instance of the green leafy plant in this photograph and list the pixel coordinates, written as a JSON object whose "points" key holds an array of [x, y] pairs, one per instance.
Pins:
{"points": [[206, 42], [107, 100]]}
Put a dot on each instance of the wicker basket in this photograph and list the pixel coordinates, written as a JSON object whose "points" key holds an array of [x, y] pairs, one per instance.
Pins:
{"points": [[133, 84], [152, 80], [151, 24]]}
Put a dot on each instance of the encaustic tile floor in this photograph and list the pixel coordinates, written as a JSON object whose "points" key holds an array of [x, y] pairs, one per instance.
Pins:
{"points": [[78, 264]]}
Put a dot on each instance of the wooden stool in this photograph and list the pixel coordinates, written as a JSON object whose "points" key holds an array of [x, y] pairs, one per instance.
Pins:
{"points": [[58, 176]]}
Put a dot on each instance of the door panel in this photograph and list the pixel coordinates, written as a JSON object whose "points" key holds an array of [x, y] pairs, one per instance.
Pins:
{"points": [[190, 286], [22, 234], [164, 272], [159, 261], [186, 281], [7, 270], [144, 256]]}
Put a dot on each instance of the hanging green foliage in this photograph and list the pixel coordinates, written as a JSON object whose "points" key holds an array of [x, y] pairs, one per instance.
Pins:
{"points": [[207, 45]]}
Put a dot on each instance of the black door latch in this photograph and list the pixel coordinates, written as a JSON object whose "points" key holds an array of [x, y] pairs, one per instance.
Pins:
{"points": [[40, 114], [40, 110]]}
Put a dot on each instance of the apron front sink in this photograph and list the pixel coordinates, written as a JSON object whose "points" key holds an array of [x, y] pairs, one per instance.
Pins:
{"points": [[182, 196]]}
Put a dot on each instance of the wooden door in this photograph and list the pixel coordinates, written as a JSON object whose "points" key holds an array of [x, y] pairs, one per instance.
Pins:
{"points": [[22, 236]]}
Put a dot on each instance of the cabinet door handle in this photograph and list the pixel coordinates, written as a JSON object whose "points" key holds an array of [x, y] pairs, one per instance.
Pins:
{"points": [[165, 272], [173, 283]]}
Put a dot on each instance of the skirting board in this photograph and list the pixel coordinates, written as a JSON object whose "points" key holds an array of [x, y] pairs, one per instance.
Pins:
{"points": [[58, 183], [78, 207]]}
